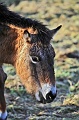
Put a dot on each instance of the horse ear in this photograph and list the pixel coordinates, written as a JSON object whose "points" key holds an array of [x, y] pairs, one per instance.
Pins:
{"points": [[54, 31], [27, 36]]}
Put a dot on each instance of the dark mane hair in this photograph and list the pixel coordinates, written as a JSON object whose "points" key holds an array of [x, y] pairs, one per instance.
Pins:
{"points": [[9, 17]]}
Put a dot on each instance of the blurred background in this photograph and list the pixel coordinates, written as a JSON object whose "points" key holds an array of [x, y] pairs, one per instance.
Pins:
{"points": [[21, 105]]}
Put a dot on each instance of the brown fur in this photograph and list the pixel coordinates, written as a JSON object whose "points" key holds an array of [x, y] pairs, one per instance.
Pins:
{"points": [[17, 44], [15, 50]]}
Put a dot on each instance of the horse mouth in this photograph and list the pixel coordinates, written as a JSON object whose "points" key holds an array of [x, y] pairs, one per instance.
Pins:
{"points": [[49, 98]]}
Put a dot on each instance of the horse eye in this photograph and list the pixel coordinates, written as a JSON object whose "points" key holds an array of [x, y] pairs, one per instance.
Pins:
{"points": [[35, 59]]}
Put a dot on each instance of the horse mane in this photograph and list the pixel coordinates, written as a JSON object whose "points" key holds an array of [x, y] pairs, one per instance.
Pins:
{"points": [[9, 17]]}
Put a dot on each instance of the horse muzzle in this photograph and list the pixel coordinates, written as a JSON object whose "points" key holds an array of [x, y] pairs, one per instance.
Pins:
{"points": [[46, 94]]}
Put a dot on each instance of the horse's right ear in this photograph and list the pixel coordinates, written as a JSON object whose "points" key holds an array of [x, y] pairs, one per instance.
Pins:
{"points": [[54, 31], [27, 36]]}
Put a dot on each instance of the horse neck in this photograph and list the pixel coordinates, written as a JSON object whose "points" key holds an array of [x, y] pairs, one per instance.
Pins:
{"points": [[9, 37]]}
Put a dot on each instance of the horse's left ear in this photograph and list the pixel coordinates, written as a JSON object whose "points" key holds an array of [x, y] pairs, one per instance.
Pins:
{"points": [[54, 31], [27, 36]]}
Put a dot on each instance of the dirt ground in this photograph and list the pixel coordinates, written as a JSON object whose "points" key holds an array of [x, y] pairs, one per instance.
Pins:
{"points": [[21, 105]]}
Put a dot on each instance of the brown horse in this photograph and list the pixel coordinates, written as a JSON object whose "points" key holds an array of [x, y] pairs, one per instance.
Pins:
{"points": [[25, 44]]}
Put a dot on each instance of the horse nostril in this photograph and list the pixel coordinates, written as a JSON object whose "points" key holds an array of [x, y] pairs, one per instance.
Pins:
{"points": [[50, 97]]}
